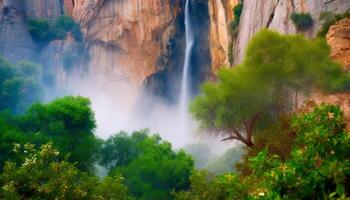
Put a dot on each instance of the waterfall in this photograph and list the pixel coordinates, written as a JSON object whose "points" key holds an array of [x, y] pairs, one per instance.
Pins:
{"points": [[185, 84]]}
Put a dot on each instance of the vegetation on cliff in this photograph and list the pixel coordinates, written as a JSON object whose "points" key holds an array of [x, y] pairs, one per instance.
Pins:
{"points": [[328, 19], [302, 21], [44, 31]]}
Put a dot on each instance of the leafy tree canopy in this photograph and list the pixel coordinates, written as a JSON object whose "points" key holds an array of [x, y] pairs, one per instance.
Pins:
{"points": [[40, 174], [318, 166], [20, 85], [276, 68], [149, 165], [68, 122]]}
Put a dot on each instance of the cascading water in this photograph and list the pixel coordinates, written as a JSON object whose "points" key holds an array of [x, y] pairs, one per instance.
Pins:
{"points": [[185, 84]]}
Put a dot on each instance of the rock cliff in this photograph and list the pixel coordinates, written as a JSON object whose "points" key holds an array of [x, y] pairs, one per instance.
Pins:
{"points": [[143, 42], [275, 14], [126, 37], [338, 38], [221, 14]]}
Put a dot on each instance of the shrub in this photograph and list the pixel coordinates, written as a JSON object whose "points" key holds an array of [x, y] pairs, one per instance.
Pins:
{"points": [[302, 20], [67, 24], [43, 31], [40, 30]]}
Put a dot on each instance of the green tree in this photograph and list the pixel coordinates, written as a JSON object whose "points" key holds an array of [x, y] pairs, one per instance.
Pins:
{"points": [[155, 170], [319, 165], [120, 149], [266, 84], [41, 175], [69, 122], [19, 85]]}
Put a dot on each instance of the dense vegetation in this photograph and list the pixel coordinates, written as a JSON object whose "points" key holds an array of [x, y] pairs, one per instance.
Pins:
{"points": [[266, 85], [318, 166], [302, 21], [49, 150], [63, 129], [150, 168], [44, 31], [19, 85]]}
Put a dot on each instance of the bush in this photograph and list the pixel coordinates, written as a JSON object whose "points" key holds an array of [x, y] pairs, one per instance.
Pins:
{"points": [[67, 24], [43, 31], [40, 30], [302, 21]]}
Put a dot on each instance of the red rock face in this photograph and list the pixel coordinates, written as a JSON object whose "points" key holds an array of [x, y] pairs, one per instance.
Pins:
{"points": [[338, 38], [125, 37]]}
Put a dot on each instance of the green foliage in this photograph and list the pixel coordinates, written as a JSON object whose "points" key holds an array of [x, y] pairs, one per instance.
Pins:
{"points": [[150, 167], [67, 24], [203, 187], [40, 30], [120, 149], [40, 175], [67, 122], [19, 85], [328, 19], [302, 21], [318, 165], [43, 31], [277, 139], [237, 102]]}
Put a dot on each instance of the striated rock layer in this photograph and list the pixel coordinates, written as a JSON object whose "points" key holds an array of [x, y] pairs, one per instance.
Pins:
{"points": [[221, 14], [125, 37], [338, 38]]}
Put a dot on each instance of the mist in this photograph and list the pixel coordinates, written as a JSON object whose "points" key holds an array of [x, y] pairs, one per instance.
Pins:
{"points": [[120, 105]]}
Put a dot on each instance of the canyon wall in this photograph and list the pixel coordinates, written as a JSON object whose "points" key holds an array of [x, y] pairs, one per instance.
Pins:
{"points": [[338, 38], [166, 82], [125, 38], [142, 42], [221, 14], [275, 15]]}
